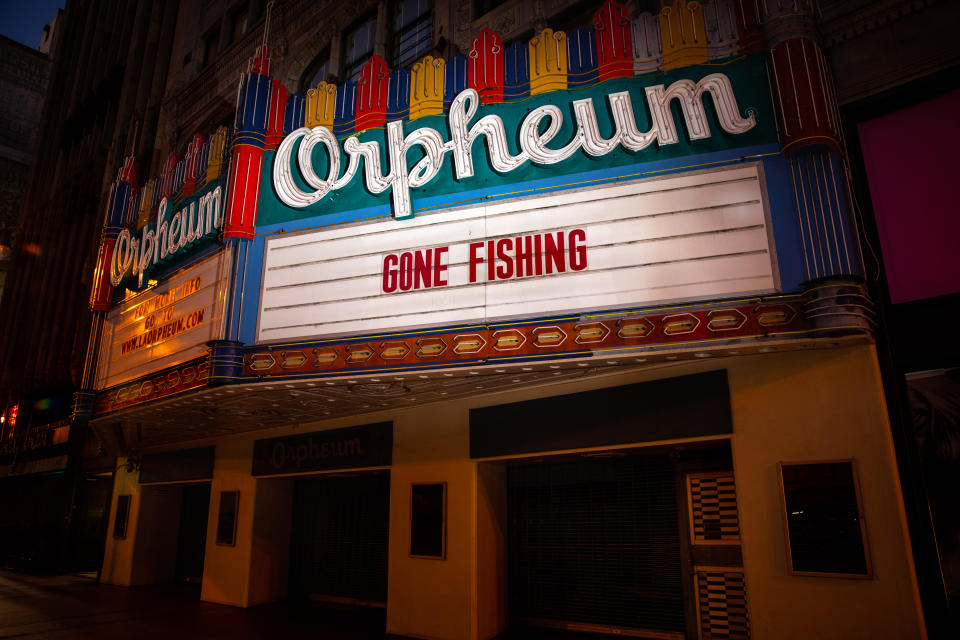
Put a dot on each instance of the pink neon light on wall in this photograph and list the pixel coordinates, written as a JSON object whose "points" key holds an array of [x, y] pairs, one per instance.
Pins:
{"points": [[911, 161]]}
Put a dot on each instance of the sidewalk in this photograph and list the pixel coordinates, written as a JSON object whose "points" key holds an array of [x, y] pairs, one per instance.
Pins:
{"points": [[73, 606], [76, 606]]}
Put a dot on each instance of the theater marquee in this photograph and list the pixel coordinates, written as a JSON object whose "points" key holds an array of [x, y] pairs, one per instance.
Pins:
{"points": [[695, 235], [165, 325]]}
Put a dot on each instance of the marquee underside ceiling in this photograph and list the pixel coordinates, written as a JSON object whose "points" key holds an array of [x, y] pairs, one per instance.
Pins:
{"points": [[227, 410]]}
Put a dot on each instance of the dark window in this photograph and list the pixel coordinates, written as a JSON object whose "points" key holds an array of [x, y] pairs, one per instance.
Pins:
{"points": [[412, 32], [578, 14], [317, 72], [824, 519], [358, 47], [211, 45], [428, 520], [481, 7], [239, 23]]}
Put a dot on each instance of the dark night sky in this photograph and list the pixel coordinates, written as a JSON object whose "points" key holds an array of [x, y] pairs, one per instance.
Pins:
{"points": [[23, 20]]}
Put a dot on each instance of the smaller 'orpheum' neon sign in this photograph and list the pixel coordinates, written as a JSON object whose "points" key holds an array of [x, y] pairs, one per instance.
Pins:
{"points": [[194, 221], [538, 128]]}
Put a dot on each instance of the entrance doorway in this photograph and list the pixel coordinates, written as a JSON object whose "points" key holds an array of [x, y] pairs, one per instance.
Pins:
{"points": [[192, 534], [595, 545], [90, 522], [339, 538]]}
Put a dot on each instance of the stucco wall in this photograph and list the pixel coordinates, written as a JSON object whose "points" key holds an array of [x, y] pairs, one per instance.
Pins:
{"points": [[798, 406], [431, 598], [226, 569], [807, 407], [118, 552]]}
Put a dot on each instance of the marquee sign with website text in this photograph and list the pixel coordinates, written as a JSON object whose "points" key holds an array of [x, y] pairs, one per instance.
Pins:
{"points": [[165, 325], [694, 235]]}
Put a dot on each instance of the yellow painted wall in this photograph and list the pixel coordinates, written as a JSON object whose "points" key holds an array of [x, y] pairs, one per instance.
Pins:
{"points": [[147, 555], [226, 569], [797, 406], [429, 598], [118, 552], [807, 407], [491, 553]]}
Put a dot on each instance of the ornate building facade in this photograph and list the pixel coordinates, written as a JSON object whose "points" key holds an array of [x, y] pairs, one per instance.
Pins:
{"points": [[505, 315]]}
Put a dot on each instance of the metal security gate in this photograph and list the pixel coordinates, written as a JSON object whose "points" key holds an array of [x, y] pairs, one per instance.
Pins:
{"points": [[595, 545], [339, 538]]}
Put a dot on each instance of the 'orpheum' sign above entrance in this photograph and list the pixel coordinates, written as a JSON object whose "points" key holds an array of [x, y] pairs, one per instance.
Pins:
{"points": [[620, 122], [538, 129]]}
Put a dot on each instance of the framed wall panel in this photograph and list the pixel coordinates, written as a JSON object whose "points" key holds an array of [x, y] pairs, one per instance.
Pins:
{"points": [[227, 518], [121, 516], [428, 520], [823, 519]]}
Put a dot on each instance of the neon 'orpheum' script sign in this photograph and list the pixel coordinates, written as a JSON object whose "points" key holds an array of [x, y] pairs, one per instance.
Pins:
{"points": [[194, 221], [538, 129]]}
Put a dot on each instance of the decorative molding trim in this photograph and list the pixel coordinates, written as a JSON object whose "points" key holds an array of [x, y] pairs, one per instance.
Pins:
{"points": [[650, 330], [839, 24], [163, 384]]}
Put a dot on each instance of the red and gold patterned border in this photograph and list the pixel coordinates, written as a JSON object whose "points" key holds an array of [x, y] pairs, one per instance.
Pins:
{"points": [[561, 337], [184, 377]]}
